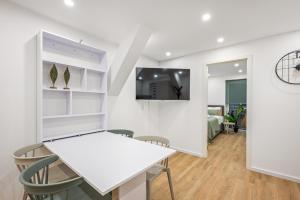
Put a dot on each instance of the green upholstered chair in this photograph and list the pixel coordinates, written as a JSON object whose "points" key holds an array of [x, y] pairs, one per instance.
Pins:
{"points": [[127, 133], [37, 186], [156, 170]]}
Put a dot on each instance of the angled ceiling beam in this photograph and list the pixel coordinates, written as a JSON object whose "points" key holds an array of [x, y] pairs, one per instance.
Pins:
{"points": [[126, 57]]}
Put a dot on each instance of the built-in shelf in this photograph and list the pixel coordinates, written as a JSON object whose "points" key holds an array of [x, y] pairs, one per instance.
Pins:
{"points": [[90, 91], [71, 62], [74, 44], [80, 110], [56, 90], [72, 115], [79, 91], [73, 134]]}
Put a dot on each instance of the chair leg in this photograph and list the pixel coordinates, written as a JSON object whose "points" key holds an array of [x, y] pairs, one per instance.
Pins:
{"points": [[170, 182], [24, 196], [148, 190]]}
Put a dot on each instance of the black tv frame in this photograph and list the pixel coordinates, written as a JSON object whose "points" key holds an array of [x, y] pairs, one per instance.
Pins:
{"points": [[164, 69]]}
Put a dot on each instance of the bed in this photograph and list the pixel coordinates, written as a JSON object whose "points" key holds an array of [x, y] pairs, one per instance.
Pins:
{"points": [[215, 121]]}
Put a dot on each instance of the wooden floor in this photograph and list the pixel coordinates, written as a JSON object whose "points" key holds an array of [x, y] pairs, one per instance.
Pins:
{"points": [[222, 175]]}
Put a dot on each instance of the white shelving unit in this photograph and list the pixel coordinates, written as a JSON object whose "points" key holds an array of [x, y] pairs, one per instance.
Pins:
{"points": [[80, 109]]}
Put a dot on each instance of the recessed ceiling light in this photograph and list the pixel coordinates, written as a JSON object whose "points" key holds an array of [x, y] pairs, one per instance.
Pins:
{"points": [[240, 71], [236, 64], [206, 17], [220, 40], [140, 78], [168, 53], [69, 3], [180, 72], [155, 76]]}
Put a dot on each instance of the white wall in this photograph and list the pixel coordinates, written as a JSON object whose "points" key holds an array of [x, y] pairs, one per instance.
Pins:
{"points": [[180, 121], [18, 88], [275, 138], [217, 88], [141, 116]]}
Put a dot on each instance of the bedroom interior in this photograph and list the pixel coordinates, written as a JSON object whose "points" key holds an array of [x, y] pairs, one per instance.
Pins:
{"points": [[227, 98], [111, 100]]}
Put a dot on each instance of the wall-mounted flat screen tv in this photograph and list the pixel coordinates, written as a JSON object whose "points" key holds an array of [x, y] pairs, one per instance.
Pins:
{"points": [[162, 84]]}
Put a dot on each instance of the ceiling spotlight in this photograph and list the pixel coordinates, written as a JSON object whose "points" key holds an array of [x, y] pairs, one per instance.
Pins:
{"points": [[240, 71], [220, 40], [180, 72], [140, 78], [206, 17], [69, 3], [155, 76], [168, 53]]}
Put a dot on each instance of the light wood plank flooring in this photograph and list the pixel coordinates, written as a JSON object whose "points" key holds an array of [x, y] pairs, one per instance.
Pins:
{"points": [[221, 176]]}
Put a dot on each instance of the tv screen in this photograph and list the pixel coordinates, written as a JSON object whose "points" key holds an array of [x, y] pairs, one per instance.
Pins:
{"points": [[162, 84]]}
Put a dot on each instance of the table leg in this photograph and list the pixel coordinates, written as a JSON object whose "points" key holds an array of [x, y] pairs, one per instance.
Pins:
{"points": [[226, 127], [133, 189], [115, 194]]}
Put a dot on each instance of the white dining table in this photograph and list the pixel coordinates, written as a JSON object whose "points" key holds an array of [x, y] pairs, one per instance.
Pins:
{"points": [[108, 161]]}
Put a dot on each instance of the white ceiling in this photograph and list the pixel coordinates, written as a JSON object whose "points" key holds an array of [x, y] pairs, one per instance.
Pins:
{"points": [[177, 25], [228, 68]]}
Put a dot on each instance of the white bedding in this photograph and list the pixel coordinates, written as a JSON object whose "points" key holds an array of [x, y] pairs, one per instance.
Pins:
{"points": [[220, 118]]}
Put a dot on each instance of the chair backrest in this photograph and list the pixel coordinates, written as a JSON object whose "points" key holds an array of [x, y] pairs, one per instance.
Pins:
{"points": [[124, 132], [28, 155], [158, 141], [35, 180]]}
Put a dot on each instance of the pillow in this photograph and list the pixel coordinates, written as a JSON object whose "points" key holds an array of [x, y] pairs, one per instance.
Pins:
{"points": [[214, 111]]}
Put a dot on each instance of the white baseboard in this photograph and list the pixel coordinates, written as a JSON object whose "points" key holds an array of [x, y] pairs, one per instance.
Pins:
{"points": [[188, 152], [275, 174]]}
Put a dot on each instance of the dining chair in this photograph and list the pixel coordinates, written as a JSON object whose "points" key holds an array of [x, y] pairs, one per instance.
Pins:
{"points": [[124, 132], [158, 168], [28, 155], [35, 180]]}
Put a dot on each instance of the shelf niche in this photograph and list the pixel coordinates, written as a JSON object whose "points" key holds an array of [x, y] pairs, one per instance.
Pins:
{"points": [[76, 80], [87, 103], [56, 103], [95, 81]]}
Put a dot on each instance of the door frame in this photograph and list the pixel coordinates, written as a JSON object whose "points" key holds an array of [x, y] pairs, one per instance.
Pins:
{"points": [[249, 76]]}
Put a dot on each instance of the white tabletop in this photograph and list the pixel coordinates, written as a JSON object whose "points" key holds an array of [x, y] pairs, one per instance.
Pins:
{"points": [[105, 160]]}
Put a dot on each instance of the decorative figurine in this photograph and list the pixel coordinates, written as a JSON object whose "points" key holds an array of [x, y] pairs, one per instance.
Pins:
{"points": [[67, 78], [53, 76]]}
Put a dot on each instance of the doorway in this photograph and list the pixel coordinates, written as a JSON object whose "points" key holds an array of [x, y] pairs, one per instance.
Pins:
{"points": [[228, 101]]}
